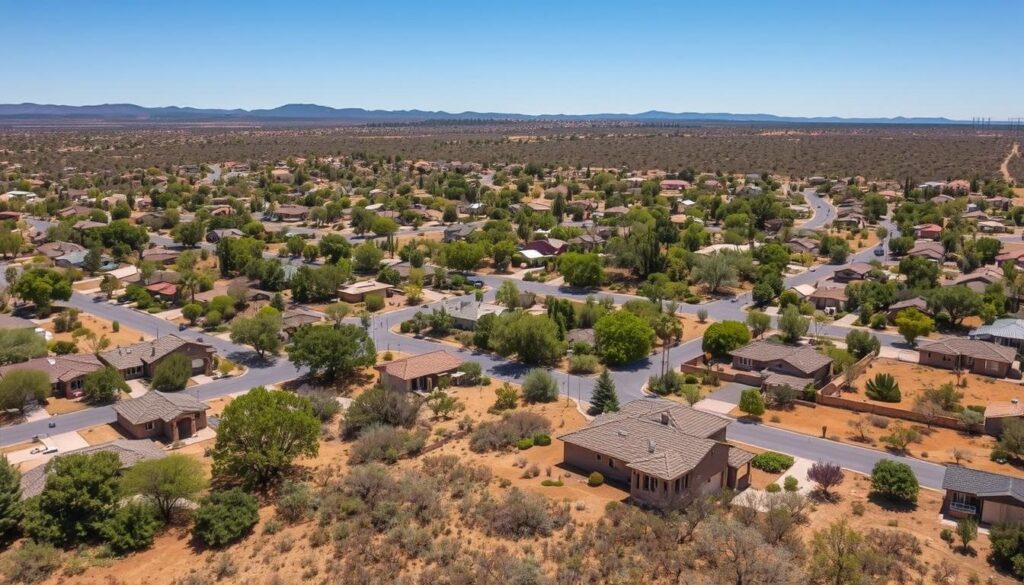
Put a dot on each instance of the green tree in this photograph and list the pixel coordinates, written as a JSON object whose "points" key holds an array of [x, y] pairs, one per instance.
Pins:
{"points": [[166, 483], [42, 286], [109, 284], [912, 324], [715, 271], [189, 234], [172, 373], [225, 516], [332, 351], [81, 492], [758, 322], [462, 255], [956, 301], [104, 385], [334, 247], [604, 398], [792, 324], [967, 530], [837, 555], [895, 481], [262, 331], [192, 312], [532, 338], [751, 402], [581, 270], [131, 528], [10, 498], [722, 337], [367, 257], [261, 433], [20, 345], [623, 337], [861, 343], [539, 386], [19, 388], [507, 294]]}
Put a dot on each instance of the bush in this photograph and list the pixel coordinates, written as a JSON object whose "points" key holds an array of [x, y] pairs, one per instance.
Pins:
{"points": [[772, 462], [502, 434], [552, 483], [385, 443], [374, 302], [32, 562], [583, 364], [773, 488], [542, 440], [378, 406], [524, 444], [519, 515], [224, 517], [857, 508], [883, 388], [691, 379], [751, 402], [722, 337], [895, 481], [131, 528], [539, 386], [595, 479], [325, 405], [115, 326], [670, 383], [790, 484], [293, 501], [172, 374]]}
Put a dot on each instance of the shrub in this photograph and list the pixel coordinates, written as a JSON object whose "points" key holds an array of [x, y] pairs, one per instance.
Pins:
{"points": [[772, 462], [552, 483], [32, 562], [293, 501], [518, 515], [670, 383], [773, 488], [722, 337], [385, 443], [325, 405], [131, 528], [378, 406], [790, 484], [502, 434], [583, 364], [691, 379], [524, 444], [507, 399], [595, 479], [895, 481], [172, 374], [857, 508], [224, 517], [751, 402], [542, 440], [883, 388], [115, 326], [539, 386], [374, 302]]}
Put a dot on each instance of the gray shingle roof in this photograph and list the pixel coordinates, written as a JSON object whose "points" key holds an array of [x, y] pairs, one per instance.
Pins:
{"points": [[973, 348], [1003, 328], [154, 405], [61, 368], [804, 359], [982, 483], [638, 436], [144, 352], [129, 452]]}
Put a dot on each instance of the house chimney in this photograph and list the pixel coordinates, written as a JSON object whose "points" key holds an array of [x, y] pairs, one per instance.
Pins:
{"points": [[650, 445], [664, 418]]}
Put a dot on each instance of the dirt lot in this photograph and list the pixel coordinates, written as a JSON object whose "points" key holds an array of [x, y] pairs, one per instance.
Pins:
{"points": [[56, 406], [936, 444], [125, 336], [914, 379], [101, 434]]}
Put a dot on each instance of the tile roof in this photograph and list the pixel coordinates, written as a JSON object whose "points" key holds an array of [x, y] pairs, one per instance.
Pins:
{"points": [[738, 457], [129, 452], [803, 358], [1004, 409], [1003, 328], [834, 293], [655, 436], [913, 303], [974, 348], [144, 352], [60, 368], [424, 364], [982, 483], [154, 405]]}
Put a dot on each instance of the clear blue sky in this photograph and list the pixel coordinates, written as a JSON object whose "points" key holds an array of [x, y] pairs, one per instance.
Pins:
{"points": [[864, 58]]}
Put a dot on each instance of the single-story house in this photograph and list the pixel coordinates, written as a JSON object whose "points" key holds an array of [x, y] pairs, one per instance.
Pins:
{"points": [[804, 246], [356, 293], [466, 313], [980, 357], [615, 211], [829, 298], [73, 210], [928, 250], [855, 271], [586, 242], [214, 236], [927, 231], [457, 232], [849, 221], [128, 451], [292, 319], [291, 212], [667, 453], [917, 303], [167, 291], [160, 255], [418, 373], [55, 250], [992, 227], [1008, 332], [66, 372], [547, 246], [155, 415], [997, 412], [674, 185], [990, 498], [140, 359], [793, 360]]}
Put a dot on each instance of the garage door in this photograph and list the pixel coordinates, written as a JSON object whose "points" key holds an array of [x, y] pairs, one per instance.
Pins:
{"points": [[996, 513]]}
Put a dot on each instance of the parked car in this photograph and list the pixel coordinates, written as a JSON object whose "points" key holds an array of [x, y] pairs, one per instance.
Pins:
{"points": [[879, 251]]}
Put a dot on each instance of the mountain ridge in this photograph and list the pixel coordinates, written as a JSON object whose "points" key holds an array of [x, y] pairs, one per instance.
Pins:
{"points": [[313, 112]]}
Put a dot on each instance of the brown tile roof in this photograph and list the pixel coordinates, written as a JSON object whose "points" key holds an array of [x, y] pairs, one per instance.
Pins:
{"points": [[834, 293], [804, 359], [658, 437], [154, 405], [145, 352], [129, 452], [973, 348], [1004, 409], [425, 364], [60, 368]]}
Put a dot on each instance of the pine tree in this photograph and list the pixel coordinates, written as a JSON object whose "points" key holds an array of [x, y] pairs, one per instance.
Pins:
{"points": [[604, 398], [10, 498]]}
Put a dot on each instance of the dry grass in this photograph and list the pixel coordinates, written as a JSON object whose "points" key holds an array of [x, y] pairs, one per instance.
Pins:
{"points": [[914, 379]]}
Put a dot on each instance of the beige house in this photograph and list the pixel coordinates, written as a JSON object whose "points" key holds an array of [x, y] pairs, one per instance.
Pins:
{"points": [[66, 372], [980, 357], [141, 359], [129, 452], [159, 415], [665, 452], [418, 373], [356, 293]]}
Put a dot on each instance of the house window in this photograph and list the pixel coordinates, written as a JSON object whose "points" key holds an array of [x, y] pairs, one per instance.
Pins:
{"points": [[744, 361], [965, 503], [598, 456], [611, 463], [149, 426], [991, 366]]}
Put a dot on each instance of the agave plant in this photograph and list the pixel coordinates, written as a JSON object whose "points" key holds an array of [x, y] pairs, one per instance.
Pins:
{"points": [[883, 387]]}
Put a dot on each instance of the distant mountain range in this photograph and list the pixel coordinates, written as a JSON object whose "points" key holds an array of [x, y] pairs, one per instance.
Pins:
{"points": [[313, 113]]}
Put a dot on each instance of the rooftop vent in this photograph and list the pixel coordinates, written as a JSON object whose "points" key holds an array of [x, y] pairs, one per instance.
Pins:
{"points": [[623, 433], [650, 446], [664, 418]]}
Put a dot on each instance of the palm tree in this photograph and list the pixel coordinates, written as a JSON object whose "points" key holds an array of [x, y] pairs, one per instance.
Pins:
{"points": [[668, 328], [188, 284]]}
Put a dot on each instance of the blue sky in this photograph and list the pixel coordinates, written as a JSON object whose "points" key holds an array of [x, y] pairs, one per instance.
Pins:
{"points": [[865, 58]]}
